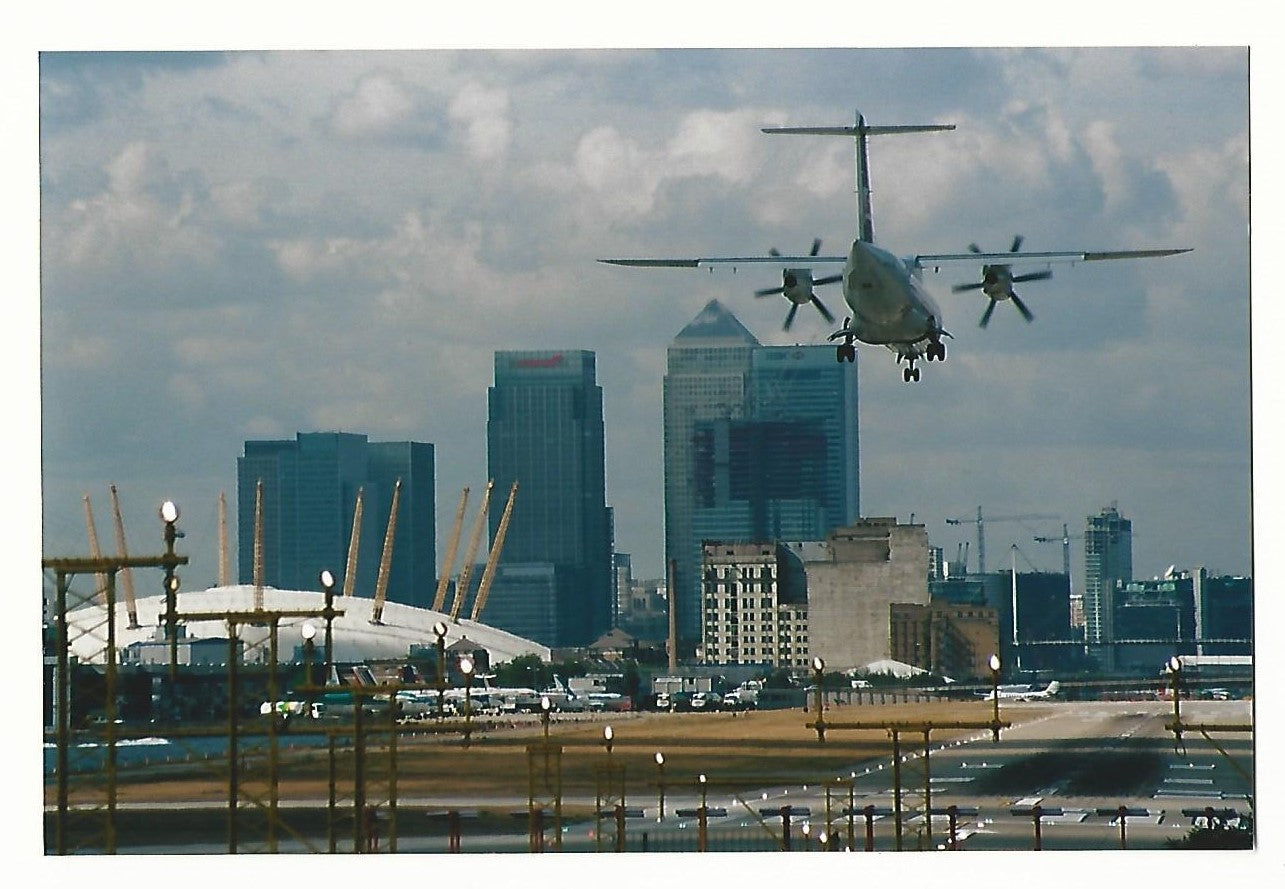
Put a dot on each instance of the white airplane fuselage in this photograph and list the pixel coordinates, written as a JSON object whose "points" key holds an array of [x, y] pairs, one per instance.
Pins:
{"points": [[889, 304]]}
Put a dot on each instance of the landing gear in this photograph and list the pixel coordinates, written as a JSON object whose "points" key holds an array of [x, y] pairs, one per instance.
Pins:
{"points": [[935, 351], [910, 374], [845, 352]]}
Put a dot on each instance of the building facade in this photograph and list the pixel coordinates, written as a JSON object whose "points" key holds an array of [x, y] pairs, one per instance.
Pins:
{"points": [[866, 567], [760, 443], [946, 639], [750, 611], [1108, 564], [545, 432], [310, 488]]}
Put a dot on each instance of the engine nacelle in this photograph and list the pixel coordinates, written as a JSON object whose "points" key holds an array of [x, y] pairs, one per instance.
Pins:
{"points": [[997, 281], [796, 285]]}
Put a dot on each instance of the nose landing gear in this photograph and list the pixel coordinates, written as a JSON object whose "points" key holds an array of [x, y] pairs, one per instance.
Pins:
{"points": [[845, 351]]}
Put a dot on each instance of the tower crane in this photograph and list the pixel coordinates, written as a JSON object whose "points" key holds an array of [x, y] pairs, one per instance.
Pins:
{"points": [[981, 535], [386, 560], [1066, 547], [466, 570], [439, 598], [488, 574]]}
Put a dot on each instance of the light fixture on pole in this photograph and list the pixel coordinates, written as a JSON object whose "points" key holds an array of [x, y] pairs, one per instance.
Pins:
{"points": [[439, 630], [994, 664], [328, 588], [818, 673], [660, 785], [466, 668], [308, 631]]}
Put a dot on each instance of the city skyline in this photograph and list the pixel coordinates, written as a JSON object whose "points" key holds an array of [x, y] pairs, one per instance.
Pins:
{"points": [[342, 241]]}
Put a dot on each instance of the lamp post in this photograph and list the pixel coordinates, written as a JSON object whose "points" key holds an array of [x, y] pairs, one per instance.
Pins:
{"points": [[818, 671], [169, 517], [328, 587], [308, 631], [1174, 666], [660, 785], [439, 630], [546, 706], [702, 838], [994, 664], [807, 846], [466, 668]]}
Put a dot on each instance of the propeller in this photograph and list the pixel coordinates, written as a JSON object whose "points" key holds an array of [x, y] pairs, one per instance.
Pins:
{"points": [[997, 283], [796, 286]]}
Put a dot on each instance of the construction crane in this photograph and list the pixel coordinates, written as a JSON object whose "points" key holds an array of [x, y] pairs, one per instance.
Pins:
{"points": [[350, 567], [126, 575], [466, 570], [386, 560], [488, 574], [981, 535], [439, 598]]}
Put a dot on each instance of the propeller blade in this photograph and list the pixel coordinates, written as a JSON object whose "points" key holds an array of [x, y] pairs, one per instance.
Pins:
{"points": [[771, 291], [1034, 276], [1017, 244], [1021, 307], [825, 313], [789, 318], [960, 288], [816, 247], [828, 279], [986, 315]]}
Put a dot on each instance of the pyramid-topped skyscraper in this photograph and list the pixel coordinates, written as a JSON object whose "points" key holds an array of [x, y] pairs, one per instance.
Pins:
{"points": [[760, 444]]}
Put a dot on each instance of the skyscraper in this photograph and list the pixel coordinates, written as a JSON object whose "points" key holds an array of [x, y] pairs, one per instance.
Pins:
{"points": [[760, 444], [310, 488], [1108, 561], [545, 431]]}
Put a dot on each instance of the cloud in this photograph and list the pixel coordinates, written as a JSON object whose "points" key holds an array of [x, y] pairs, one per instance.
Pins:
{"points": [[484, 115]]}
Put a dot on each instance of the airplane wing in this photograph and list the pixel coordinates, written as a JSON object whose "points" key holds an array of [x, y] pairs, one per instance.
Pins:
{"points": [[705, 262], [930, 259]]}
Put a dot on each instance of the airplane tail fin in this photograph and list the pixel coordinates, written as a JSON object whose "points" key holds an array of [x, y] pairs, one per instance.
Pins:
{"points": [[1053, 688], [865, 218]]}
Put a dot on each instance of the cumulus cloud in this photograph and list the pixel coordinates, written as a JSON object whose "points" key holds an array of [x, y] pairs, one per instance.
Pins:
{"points": [[483, 113]]}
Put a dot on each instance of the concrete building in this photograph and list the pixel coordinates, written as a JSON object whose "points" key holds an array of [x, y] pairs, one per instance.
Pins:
{"points": [[866, 568], [310, 489], [760, 443], [945, 639], [545, 431], [750, 611]]}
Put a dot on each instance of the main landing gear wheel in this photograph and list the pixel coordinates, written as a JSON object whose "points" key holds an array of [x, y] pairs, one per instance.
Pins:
{"points": [[910, 374], [845, 352], [935, 351]]}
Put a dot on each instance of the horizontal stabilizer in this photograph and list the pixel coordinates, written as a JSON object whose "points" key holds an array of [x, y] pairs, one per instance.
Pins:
{"points": [[855, 131]]}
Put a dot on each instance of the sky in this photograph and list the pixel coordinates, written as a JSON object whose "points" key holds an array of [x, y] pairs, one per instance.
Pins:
{"points": [[244, 245]]}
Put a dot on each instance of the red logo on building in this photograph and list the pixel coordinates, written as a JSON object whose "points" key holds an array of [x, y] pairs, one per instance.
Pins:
{"points": [[551, 361]]}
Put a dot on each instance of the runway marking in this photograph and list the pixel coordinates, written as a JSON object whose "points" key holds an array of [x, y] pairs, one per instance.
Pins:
{"points": [[1189, 780]]}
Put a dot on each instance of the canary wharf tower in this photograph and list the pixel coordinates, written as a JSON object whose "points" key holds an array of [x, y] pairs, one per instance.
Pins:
{"points": [[760, 445]]}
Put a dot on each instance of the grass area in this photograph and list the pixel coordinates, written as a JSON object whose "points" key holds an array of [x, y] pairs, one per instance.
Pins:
{"points": [[735, 751]]}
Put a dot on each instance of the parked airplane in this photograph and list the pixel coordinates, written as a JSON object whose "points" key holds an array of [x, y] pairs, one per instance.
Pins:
{"points": [[1022, 692], [885, 294]]}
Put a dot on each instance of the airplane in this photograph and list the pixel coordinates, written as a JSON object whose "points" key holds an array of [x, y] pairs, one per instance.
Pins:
{"points": [[1022, 692], [885, 293]]}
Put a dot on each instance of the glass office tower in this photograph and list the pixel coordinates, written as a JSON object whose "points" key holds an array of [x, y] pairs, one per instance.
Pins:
{"points": [[1108, 562], [760, 444], [310, 489], [545, 431]]}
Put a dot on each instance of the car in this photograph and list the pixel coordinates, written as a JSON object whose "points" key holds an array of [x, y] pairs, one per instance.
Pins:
{"points": [[705, 700]]}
